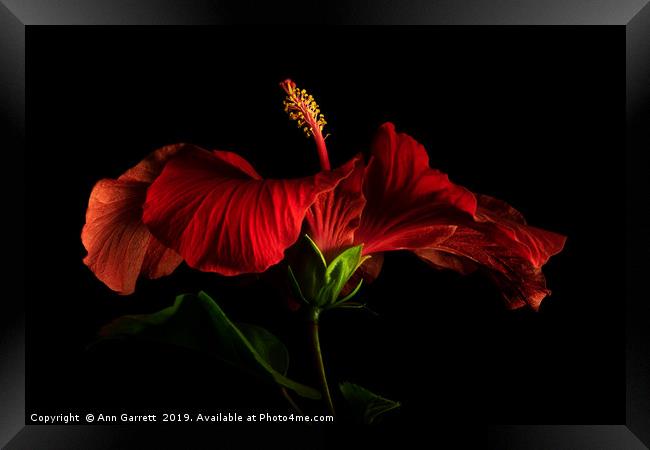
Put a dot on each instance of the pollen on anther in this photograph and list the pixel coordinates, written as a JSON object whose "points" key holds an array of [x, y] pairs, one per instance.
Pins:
{"points": [[302, 107]]}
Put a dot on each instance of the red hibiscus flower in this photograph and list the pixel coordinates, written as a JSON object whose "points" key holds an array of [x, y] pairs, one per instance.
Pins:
{"points": [[213, 210], [120, 247], [240, 222]]}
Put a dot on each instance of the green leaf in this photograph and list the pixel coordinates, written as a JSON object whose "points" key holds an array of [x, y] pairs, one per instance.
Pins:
{"points": [[198, 323], [267, 345], [365, 406]]}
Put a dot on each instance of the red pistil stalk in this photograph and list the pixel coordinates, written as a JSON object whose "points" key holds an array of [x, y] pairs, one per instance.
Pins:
{"points": [[302, 108]]}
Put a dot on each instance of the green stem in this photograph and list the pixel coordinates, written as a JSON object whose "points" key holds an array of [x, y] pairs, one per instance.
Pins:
{"points": [[318, 356]]}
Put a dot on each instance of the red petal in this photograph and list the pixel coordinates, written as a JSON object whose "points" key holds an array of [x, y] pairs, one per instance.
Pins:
{"points": [[408, 204], [221, 217], [535, 244], [500, 242], [119, 245], [441, 259], [334, 216]]}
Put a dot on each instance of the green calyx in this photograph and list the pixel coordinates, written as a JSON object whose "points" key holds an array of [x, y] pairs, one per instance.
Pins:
{"points": [[319, 284]]}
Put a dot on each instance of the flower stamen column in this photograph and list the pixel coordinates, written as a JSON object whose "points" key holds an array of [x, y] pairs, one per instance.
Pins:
{"points": [[302, 108]]}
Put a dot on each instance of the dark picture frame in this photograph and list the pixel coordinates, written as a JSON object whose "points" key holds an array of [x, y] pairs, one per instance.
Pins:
{"points": [[631, 16]]}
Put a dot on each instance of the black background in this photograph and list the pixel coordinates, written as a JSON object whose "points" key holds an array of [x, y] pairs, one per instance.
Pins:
{"points": [[531, 117]]}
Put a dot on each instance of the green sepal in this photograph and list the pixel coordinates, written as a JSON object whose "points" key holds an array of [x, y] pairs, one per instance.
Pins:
{"points": [[320, 284], [339, 272], [308, 272], [356, 306], [365, 406], [198, 323], [295, 286], [350, 295]]}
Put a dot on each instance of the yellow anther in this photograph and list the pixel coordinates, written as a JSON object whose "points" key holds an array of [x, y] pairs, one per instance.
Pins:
{"points": [[302, 108]]}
